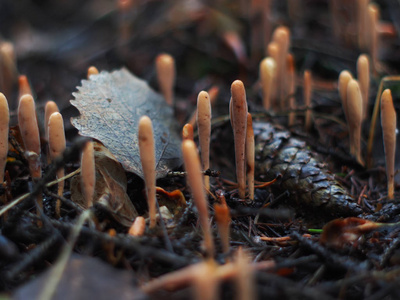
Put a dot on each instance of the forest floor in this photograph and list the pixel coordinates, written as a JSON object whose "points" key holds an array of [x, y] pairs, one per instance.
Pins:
{"points": [[213, 43]]}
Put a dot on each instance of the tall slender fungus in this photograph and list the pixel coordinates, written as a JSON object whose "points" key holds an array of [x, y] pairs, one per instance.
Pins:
{"points": [[204, 129], [8, 67], [389, 119], [50, 108], [354, 109], [372, 43], [195, 180], [267, 74], [165, 66], [56, 148], [148, 160], [223, 218], [4, 127], [281, 36], [30, 136], [273, 50], [291, 86], [30, 133], [344, 78], [238, 107], [364, 81], [88, 173], [250, 155], [307, 91]]}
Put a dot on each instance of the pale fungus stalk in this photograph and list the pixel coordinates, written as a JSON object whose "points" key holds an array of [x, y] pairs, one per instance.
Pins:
{"points": [[56, 137], [23, 86], [239, 123], [195, 180], [187, 132], [291, 86], [355, 109], [165, 67], [250, 155], [373, 19], [344, 78], [362, 23], [213, 92], [148, 160], [364, 81], [281, 36], [4, 128], [205, 283], [273, 51], [307, 93], [88, 173], [389, 120], [244, 277], [204, 129], [267, 75], [8, 65], [49, 109], [30, 136], [138, 227], [30, 133]]}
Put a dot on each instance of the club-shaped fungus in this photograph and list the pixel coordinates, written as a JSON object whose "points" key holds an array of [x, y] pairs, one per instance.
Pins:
{"points": [[355, 110], [238, 108], [195, 180], [57, 144], [250, 156], [204, 130], [389, 120], [148, 160], [4, 127], [165, 67], [88, 173], [267, 74]]}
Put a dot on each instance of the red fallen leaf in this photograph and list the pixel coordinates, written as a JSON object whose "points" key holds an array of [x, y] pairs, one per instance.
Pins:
{"points": [[339, 232], [111, 105]]}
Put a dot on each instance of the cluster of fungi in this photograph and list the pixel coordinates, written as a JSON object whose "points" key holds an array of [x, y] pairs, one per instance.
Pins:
{"points": [[277, 85]]}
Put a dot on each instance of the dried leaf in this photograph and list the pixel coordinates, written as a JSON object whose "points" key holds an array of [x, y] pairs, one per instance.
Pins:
{"points": [[110, 188], [111, 105]]}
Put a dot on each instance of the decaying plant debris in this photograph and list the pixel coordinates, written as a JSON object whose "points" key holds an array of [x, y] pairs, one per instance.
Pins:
{"points": [[309, 173]]}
